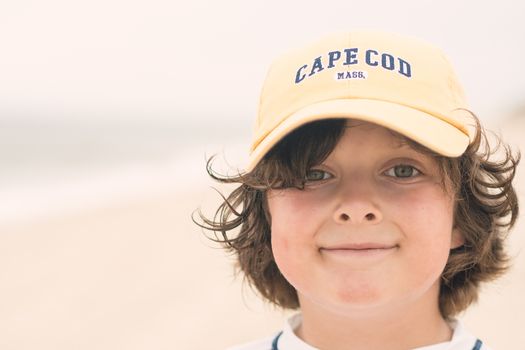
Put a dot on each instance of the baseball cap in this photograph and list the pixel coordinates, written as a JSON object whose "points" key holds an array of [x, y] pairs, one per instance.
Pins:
{"points": [[398, 82]]}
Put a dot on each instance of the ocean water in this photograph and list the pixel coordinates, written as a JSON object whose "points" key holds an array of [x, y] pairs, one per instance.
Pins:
{"points": [[53, 167]]}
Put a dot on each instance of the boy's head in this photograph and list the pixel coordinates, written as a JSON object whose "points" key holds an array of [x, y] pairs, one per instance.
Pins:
{"points": [[366, 185]]}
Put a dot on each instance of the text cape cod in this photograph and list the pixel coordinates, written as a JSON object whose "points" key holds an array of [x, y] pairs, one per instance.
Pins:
{"points": [[350, 57]]}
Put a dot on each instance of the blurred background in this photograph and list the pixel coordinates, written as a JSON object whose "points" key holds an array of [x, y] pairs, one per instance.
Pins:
{"points": [[108, 110]]}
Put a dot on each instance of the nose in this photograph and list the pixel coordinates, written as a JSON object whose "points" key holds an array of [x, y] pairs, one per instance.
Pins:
{"points": [[357, 208], [357, 218]]}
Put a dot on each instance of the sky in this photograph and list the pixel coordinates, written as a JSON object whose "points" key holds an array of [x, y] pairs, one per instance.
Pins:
{"points": [[205, 61]]}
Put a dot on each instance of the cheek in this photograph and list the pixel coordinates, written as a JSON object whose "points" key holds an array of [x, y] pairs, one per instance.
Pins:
{"points": [[293, 227], [283, 229], [427, 228], [288, 254], [295, 216], [427, 215]]}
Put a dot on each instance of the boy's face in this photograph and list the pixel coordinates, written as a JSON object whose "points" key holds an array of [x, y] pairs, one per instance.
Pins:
{"points": [[372, 228]]}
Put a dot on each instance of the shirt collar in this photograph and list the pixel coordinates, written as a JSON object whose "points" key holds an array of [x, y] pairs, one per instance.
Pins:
{"points": [[461, 338], [289, 340]]}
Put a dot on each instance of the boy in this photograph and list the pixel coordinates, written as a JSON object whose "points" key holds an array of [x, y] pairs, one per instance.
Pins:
{"points": [[367, 202]]}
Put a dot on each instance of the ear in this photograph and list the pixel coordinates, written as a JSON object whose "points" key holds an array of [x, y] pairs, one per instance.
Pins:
{"points": [[457, 239]]}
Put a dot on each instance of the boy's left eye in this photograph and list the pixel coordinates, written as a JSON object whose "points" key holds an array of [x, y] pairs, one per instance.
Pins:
{"points": [[403, 171]]}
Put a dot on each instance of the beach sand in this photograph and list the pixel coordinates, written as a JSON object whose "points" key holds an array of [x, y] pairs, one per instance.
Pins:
{"points": [[140, 275]]}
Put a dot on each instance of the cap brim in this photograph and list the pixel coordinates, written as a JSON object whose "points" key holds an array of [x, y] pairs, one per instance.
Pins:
{"points": [[424, 128]]}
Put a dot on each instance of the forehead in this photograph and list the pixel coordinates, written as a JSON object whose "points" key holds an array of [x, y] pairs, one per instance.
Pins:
{"points": [[394, 139]]}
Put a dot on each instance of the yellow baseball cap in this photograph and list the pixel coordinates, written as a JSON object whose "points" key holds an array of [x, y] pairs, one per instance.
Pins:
{"points": [[400, 83]]}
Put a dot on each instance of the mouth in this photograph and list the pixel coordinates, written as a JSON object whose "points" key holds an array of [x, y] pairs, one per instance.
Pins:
{"points": [[360, 250], [360, 246]]}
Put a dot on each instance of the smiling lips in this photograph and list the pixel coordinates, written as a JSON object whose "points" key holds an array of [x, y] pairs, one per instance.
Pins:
{"points": [[359, 249], [360, 246]]}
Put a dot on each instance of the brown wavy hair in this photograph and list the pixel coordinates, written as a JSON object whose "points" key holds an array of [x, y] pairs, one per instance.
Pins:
{"points": [[486, 208]]}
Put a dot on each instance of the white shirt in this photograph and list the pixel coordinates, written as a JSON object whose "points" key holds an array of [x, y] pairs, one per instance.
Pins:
{"points": [[288, 340]]}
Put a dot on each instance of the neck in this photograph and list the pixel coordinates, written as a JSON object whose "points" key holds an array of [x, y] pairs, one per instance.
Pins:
{"points": [[400, 327]]}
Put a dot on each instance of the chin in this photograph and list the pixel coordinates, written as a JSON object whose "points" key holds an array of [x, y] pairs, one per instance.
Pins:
{"points": [[353, 301]]}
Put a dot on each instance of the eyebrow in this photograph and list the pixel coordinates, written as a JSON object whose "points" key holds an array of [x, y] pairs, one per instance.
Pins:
{"points": [[401, 142]]}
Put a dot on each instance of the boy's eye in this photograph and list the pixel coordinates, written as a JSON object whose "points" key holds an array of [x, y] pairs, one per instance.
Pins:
{"points": [[317, 175], [403, 171]]}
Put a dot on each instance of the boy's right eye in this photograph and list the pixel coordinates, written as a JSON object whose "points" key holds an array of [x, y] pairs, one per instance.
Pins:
{"points": [[317, 175]]}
